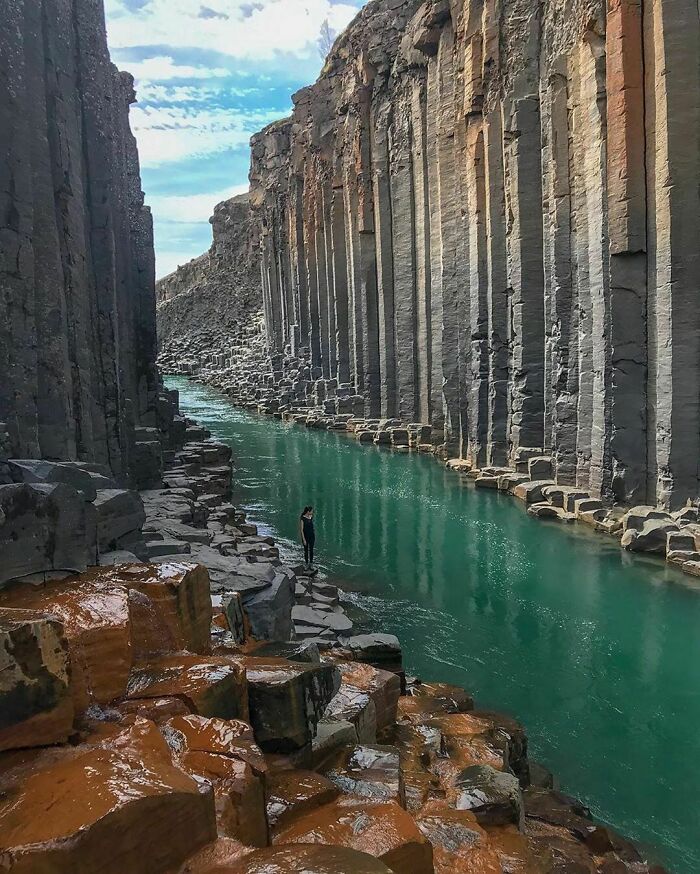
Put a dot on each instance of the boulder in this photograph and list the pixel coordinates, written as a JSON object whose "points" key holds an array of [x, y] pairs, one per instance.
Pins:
{"points": [[381, 829], [331, 735], [494, 797], [294, 793], [95, 620], [460, 845], [36, 707], [83, 478], [113, 806], [269, 610], [354, 706], [119, 512], [531, 492], [287, 700], [380, 650], [223, 753], [44, 527], [209, 685], [383, 688], [338, 623], [651, 537], [174, 611], [368, 771], [310, 859], [424, 700]]}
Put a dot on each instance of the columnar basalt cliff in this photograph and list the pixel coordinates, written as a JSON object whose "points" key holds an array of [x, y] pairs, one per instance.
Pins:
{"points": [[208, 303], [77, 309], [485, 217]]}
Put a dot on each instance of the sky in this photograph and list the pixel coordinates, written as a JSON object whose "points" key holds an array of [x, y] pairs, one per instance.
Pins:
{"points": [[209, 74]]}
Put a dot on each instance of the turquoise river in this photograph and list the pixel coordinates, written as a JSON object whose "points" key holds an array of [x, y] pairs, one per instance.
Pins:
{"points": [[595, 651]]}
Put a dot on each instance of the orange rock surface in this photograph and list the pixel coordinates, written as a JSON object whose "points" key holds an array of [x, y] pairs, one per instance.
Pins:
{"points": [[383, 830], [174, 611], [36, 707], [114, 807], [294, 793], [310, 860], [96, 625], [210, 685]]}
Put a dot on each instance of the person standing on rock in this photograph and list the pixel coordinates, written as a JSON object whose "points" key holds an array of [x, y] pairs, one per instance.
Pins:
{"points": [[308, 535]]}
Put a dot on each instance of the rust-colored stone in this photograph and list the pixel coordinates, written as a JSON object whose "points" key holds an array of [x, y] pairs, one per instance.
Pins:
{"points": [[210, 685], [383, 830], [115, 806], [96, 625], [309, 860], [294, 793], [36, 707]]}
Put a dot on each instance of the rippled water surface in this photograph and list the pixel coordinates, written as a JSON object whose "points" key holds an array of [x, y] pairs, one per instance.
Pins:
{"points": [[597, 653]]}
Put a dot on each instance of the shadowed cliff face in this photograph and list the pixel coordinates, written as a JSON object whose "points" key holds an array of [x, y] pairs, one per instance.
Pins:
{"points": [[206, 303], [77, 309], [485, 214]]}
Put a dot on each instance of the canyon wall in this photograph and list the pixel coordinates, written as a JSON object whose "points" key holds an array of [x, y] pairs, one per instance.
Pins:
{"points": [[206, 303], [77, 308], [485, 215]]}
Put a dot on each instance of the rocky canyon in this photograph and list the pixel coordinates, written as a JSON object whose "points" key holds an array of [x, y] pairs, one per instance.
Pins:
{"points": [[477, 236], [485, 217]]}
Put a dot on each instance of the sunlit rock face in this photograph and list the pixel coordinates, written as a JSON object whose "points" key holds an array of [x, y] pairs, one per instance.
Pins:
{"points": [[485, 217], [77, 309], [208, 303]]}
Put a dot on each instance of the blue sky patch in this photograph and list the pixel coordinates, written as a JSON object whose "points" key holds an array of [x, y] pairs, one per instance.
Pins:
{"points": [[209, 74]]}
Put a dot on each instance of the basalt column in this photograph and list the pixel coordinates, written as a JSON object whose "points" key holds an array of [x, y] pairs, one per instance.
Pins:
{"points": [[513, 190], [77, 308], [672, 93]]}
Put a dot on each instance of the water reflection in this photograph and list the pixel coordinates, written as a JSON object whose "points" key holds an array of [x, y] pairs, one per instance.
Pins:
{"points": [[596, 651]]}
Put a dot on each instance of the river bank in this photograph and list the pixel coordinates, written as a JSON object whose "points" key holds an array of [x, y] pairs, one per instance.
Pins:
{"points": [[247, 738], [608, 643]]}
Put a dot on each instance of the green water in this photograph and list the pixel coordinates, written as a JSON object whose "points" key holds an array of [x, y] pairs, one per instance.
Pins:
{"points": [[596, 652]]}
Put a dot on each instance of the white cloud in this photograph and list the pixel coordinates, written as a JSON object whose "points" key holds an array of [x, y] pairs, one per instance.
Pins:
{"points": [[175, 133], [191, 208], [161, 68], [236, 28]]}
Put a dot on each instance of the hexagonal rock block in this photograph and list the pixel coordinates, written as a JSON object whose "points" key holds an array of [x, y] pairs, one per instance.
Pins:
{"points": [[369, 772], [379, 650], [85, 479], [316, 859], [36, 707], [96, 626], [119, 512], [291, 794], [424, 700], [169, 605], [356, 707], [224, 737], [209, 685], [466, 740], [383, 830], [287, 700], [383, 687], [223, 753], [115, 806], [494, 797], [44, 527], [460, 845]]}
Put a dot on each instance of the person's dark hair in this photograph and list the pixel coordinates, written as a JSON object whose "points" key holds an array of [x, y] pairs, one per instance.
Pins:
{"points": [[306, 510]]}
